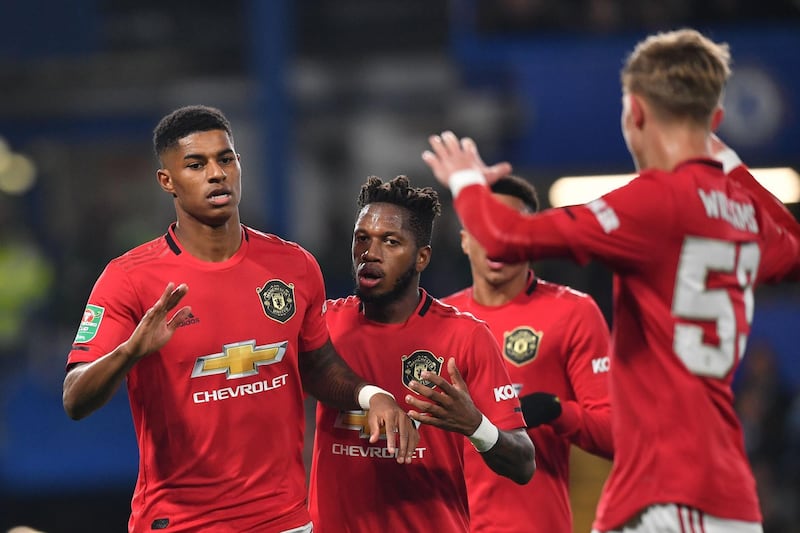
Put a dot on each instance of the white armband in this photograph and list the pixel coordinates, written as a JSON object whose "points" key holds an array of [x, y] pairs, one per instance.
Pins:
{"points": [[729, 160], [485, 436], [464, 178], [367, 392]]}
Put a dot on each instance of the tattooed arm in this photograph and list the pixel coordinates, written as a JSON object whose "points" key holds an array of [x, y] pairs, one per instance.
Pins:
{"points": [[327, 377]]}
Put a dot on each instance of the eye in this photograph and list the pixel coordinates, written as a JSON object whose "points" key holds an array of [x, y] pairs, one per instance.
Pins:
{"points": [[227, 160], [195, 166]]}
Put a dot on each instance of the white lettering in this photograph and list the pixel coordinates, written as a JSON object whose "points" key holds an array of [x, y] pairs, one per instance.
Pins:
{"points": [[718, 206], [604, 214], [353, 450], [506, 392], [601, 364], [246, 389]]}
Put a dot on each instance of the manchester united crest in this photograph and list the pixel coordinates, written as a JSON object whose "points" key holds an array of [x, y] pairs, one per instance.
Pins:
{"points": [[521, 345], [277, 299], [418, 362]]}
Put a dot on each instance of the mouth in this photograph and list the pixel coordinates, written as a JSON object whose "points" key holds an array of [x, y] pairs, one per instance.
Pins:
{"points": [[219, 197], [495, 265], [368, 276]]}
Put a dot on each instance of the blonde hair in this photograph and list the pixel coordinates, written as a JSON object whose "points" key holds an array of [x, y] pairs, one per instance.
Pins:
{"points": [[681, 73]]}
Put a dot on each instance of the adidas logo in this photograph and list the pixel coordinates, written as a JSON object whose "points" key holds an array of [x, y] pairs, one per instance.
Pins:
{"points": [[191, 319]]}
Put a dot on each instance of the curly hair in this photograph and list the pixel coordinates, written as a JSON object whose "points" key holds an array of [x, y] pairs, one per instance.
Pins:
{"points": [[185, 121], [422, 203]]}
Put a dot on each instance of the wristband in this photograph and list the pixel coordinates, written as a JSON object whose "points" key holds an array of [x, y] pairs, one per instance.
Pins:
{"points": [[485, 436], [464, 178], [729, 160], [367, 392]]}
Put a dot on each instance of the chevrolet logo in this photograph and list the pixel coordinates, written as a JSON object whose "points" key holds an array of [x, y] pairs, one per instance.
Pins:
{"points": [[356, 420], [239, 360]]}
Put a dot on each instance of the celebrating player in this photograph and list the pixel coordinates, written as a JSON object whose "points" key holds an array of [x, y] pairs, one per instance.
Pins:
{"points": [[555, 344], [216, 389], [687, 244], [400, 337]]}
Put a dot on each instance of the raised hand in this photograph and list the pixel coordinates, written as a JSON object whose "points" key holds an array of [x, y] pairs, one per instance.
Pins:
{"points": [[450, 155], [154, 329], [450, 406]]}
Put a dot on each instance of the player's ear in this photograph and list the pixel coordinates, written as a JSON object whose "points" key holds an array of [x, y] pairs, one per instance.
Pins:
{"points": [[464, 241], [637, 110], [423, 258], [165, 181], [716, 118]]}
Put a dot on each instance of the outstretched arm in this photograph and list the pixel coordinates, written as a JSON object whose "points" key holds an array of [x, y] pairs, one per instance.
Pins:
{"points": [[505, 233], [88, 386], [327, 377], [508, 453]]}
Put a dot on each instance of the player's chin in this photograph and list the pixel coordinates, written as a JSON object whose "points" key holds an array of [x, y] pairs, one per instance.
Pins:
{"points": [[370, 293], [218, 216]]}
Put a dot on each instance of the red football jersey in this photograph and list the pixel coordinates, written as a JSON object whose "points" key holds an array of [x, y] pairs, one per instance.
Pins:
{"points": [[687, 248], [356, 486], [555, 340], [218, 411]]}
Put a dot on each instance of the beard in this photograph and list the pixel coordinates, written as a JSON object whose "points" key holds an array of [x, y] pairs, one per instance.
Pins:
{"points": [[400, 286]]}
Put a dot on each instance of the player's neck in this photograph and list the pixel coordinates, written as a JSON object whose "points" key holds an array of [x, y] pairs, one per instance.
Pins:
{"points": [[210, 243], [490, 295], [673, 145]]}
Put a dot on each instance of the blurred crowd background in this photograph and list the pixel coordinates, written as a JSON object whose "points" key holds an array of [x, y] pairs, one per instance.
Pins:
{"points": [[321, 95]]}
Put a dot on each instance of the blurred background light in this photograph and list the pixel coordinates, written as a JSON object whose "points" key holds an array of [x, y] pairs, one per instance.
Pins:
{"points": [[17, 174], [782, 182]]}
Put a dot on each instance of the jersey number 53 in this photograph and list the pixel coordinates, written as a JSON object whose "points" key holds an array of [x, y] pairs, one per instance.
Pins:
{"points": [[699, 298]]}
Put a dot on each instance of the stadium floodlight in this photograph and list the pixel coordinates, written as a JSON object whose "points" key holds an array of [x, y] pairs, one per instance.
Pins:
{"points": [[783, 183]]}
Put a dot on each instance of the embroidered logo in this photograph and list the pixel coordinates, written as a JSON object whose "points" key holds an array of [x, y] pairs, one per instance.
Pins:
{"points": [[521, 345], [90, 323], [277, 299], [418, 362]]}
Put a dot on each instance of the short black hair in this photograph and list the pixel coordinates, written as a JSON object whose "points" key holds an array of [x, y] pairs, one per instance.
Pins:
{"points": [[519, 188], [185, 121], [422, 203]]}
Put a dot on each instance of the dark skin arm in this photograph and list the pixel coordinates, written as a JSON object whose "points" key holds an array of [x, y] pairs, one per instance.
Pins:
{"points": [[451, 408], [88, 386], [327, 377]]}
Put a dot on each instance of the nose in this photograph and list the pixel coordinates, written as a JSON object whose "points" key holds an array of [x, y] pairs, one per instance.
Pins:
{"points": [[370, 253], [216, 172]]}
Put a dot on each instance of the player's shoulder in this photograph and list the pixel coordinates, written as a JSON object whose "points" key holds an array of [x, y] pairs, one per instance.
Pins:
{"points": [[570, 298], [439, 310], [145, 254], [557, 290], [270, 243], [262, 239], [343, 305]]}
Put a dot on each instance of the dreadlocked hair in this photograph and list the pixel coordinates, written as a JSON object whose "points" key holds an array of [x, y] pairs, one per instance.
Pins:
{"points": [[422, 203]]}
